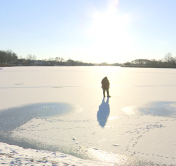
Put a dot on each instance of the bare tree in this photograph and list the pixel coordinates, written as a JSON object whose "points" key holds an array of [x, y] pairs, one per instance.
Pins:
{"points": [[59, 59], [29, 57], [168, 57]]}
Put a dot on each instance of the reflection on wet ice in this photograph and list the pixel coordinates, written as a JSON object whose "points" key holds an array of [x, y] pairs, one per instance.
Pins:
{"points": [[166, 109]]}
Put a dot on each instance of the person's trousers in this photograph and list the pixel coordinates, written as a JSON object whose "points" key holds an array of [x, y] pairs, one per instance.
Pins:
{"points": [[107, 91]]}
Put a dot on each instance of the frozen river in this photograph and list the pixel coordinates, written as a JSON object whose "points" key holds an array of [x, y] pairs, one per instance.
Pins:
{"points": [[63, 109]]}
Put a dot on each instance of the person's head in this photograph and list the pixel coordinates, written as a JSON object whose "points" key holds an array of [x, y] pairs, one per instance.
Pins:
{"points": [[105, 77]]}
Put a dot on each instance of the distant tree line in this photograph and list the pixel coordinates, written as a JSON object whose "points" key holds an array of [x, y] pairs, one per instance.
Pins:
{"points": [[8, 57], [167, 62], [58, 61], [71, 62]]}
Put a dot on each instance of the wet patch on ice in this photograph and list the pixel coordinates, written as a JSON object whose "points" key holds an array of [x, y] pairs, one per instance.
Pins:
{"points": [[165, 109], [14, 117]]}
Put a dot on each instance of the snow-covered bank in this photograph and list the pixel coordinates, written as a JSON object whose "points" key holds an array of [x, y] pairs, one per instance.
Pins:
{"points": [[61, 109], [15, 155]]}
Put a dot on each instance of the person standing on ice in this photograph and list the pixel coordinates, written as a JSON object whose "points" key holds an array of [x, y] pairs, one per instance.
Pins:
{"points": [[105, 86]]}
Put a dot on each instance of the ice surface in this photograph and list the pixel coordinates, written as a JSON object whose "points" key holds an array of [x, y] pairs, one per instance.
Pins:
{"points": [[62, 109]]}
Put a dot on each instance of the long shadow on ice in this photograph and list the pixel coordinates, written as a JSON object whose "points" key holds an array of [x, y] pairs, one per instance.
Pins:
{"points": [[103, 112], [14, 117]]}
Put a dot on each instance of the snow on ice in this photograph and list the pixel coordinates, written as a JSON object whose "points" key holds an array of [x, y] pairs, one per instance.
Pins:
{"points": [[57, 116]]}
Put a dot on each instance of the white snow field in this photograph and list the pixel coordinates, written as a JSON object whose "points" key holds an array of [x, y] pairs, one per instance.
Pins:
{"points": [[58, 116]]}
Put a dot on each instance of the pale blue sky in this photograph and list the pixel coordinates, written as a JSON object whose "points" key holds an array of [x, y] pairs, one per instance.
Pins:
{"points": [[89, 30]]}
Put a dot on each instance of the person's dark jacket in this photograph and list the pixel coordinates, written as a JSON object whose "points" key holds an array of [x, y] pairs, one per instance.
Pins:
{"points": [[105, 83]]}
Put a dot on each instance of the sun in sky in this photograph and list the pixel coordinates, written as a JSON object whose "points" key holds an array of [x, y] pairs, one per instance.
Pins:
{"points": [[109, 34]]}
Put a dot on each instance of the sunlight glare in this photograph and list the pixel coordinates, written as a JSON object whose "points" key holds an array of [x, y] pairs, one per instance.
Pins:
{"points": [[110, 158], [109, 33]]}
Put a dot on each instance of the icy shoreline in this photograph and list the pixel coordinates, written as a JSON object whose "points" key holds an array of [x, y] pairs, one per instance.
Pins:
{"points": [[15, 155]]}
